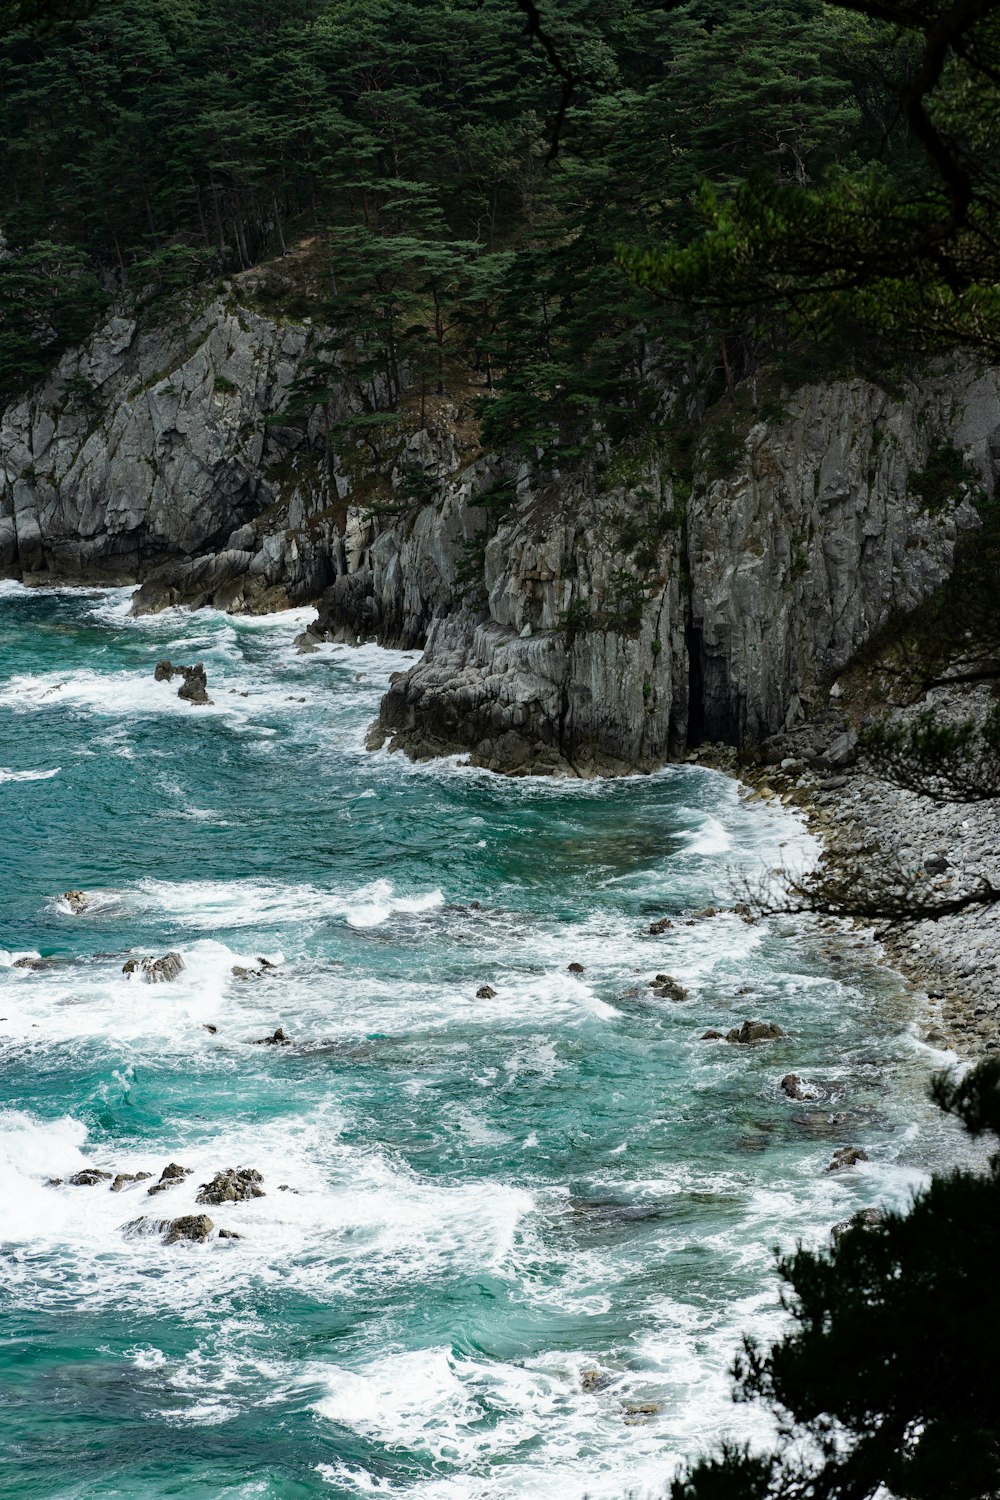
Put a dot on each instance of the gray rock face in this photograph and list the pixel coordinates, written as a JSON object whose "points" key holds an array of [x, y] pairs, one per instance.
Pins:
{"points": [[790, 563], [150, 447], [155, 970], [599, 623], [800, 554], [572, 659]]}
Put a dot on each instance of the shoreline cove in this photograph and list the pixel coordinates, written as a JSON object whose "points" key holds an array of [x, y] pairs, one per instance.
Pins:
{"points": [[514, 1214]]}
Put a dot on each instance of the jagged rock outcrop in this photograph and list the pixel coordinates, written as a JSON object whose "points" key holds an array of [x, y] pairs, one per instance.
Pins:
{"points": [[571, 658], [154, 447], [595, 622], [810, 537], [815, 537]]}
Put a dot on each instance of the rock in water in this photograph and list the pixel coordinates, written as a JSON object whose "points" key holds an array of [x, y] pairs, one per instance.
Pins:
{"points": [[162, 970], [667, 987], [155, 970], [847, 1156], [171, 1175], [485, 992], [235, 1185], [89, 1177], [77, 901], [195, 1227], [279, 1039], [864, 1218], [124, 1178], [797, 1088], [194, 687], [576, 968], [712, 1036], [755, 1031], [662, 925]]}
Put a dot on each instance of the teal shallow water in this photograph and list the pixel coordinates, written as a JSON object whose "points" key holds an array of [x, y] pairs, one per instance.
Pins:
{"points": [[485, 1198]]}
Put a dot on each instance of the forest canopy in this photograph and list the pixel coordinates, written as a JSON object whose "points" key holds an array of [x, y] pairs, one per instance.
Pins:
{"points": [[150, 146]]}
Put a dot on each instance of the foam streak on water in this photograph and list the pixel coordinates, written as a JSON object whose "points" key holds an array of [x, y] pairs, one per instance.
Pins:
{"points": [[473, 1202]]}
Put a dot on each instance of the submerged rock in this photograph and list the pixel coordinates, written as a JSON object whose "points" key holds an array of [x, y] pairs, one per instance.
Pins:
{"points": [[712, 1036], [234, 1185], [637, 1414], [847, 1156], [755, 1031], [663, 925], [667, 987]]}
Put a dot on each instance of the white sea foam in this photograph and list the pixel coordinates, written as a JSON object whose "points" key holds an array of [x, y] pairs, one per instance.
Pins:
{"points": [[6, 775]]}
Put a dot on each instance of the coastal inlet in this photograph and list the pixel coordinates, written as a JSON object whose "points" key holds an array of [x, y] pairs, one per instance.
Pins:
{"points": [[409, 1171]]}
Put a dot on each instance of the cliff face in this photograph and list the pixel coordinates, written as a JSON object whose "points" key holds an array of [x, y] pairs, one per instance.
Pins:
{"points": [[153, 446], [782, 567], [819, 533], [596, 622]]}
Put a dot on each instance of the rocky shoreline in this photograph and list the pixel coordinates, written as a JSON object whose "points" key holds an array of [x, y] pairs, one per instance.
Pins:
{"points": [[952, 962]]}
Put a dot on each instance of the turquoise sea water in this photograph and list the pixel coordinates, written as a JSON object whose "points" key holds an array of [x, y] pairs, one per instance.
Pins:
{"points": [[486, 1197]]}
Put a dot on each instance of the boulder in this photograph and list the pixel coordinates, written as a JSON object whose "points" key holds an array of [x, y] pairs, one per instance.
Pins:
{"points": [[664, 924], [712, 1036], [239, 972], [842, 751], [797, 1088], [485, 992], [278, 1039], [193, 688], [124, 1178], [575, 968], [89, 1177], [755, 1031], [864, 1218], [77, 901], [171, 1175], [194, 1227], [155, 970], [234, 1185], [847, 1156], [162, 970], [666, 987]]}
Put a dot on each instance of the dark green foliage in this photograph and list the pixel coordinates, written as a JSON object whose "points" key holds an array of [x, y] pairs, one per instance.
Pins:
{"points": [[907, 246], [49, 299], [888, 1377], [945, 478], [397, 155]]}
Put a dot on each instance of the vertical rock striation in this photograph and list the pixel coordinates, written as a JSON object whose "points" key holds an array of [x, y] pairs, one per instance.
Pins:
{"points": [[599, 621]]}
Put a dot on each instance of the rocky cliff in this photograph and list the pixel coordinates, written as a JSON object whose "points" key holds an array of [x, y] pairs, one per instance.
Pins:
{"points": [[599, 620], [617, 624], [157, 444]]}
